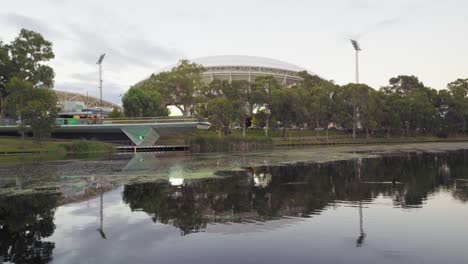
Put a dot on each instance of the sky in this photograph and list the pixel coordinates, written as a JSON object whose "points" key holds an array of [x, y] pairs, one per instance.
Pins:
{"points": [[426, 38]]}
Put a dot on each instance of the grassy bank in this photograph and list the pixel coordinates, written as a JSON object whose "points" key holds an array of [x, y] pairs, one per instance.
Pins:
{"points": [[208, 141], [14, 145], [213, 143], [86, 146]]}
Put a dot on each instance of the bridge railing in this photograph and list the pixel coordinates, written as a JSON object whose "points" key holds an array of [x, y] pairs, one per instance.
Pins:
{"points": [[122, 120], [157, 119], [7, 122]]}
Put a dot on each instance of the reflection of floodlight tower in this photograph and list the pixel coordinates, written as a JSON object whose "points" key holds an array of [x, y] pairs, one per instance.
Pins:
{"points": [[357, 48], [99, 62], [101, 213], [357, 171]]}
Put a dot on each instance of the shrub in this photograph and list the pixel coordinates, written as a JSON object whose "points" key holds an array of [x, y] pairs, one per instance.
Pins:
{"points": [[87, 146], [212, 143]]}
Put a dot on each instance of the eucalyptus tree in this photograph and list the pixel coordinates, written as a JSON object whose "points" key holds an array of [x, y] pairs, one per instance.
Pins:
{"points": [[34, 108], [285, 107], [459, 91], [138, 102], [180, 86], [353, 100], [265, 87], [220, 111], [24, 59]]}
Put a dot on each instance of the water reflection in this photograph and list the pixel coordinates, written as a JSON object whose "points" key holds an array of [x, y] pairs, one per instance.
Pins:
{"points": [[25, 221], [256, 194], [301, 190]]}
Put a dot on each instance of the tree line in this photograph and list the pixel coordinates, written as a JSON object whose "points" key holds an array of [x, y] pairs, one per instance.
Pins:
{"points": [[405, 106]]}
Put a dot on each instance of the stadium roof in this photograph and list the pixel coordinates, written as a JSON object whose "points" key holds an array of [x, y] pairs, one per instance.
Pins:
{"points": [[89, 101], [242, 60], [254, 61]]}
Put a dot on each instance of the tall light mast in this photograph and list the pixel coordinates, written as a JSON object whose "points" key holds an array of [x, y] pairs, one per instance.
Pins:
{"points": [[357, 48], [99, 62]]}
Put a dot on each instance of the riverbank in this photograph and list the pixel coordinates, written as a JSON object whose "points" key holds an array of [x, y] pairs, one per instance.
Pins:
{"points": [[13, 145], [211, 143], [254, 140], [322, 141]]}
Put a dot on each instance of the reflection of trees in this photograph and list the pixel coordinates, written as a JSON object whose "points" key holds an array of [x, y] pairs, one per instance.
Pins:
{"points": [[264, 193], [24, 221]]}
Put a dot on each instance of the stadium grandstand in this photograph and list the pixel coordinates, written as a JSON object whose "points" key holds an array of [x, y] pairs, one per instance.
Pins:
{"points": [[90, 102], [237, 67]]}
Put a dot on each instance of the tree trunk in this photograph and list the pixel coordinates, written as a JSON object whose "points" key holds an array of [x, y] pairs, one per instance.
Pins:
{"points": [[267, 123], [182, 110], [243, 125], [354, 121]]}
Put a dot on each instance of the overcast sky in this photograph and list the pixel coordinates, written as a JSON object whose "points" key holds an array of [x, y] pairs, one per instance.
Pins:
{"points": [[427, 38]]}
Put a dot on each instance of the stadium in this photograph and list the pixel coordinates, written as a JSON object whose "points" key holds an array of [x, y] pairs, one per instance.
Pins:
{"points": [[237, 67]]}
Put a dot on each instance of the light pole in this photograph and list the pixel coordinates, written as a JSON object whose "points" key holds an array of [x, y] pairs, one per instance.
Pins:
{"points": [[357, 48], [99, 62]]}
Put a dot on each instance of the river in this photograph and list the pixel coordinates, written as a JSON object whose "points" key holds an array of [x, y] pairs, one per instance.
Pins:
{"points": [[369, 204]]}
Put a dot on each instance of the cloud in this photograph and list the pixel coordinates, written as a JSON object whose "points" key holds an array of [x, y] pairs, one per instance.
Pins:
{"points": [[19, 21], [376, 27], [85, 77], [122, 48]]}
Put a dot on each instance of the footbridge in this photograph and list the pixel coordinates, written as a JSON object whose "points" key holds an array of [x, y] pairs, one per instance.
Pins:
{"points": [[126, 132]]}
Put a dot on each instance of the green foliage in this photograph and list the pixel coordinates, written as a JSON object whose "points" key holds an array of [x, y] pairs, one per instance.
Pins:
{"points": [[116, 113], [210, 143], [404, 107], [138, 102], [178, 87], [87, 146], [24, 59], [36, 108], [220, 111]]}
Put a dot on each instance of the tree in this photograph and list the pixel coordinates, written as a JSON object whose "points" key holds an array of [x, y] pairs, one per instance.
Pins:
{"points": [[264, 87], [179, 87], [459, 103], [24, 58], [138, 102], [35, 108], [220, 112], [285, 107], [353, 105], [403, 84], [116, 113], [317, 99]]}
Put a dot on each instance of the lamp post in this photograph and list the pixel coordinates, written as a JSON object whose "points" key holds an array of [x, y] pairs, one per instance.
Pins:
{"points": [[357, 48], [99, 62]]}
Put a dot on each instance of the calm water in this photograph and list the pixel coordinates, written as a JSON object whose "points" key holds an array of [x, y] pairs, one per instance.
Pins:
{"points": [[399, 208]]}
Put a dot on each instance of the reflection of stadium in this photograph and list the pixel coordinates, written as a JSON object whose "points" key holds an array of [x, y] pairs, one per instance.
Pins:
{"points": [[235, 67]]}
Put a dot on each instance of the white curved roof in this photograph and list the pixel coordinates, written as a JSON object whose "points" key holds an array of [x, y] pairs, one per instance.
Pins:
{"points": [[253, 61], [241, 60]]}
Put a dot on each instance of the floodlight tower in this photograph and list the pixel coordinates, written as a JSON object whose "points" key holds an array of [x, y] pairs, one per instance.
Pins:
{"points": [[99, 62], [357, 48]]}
